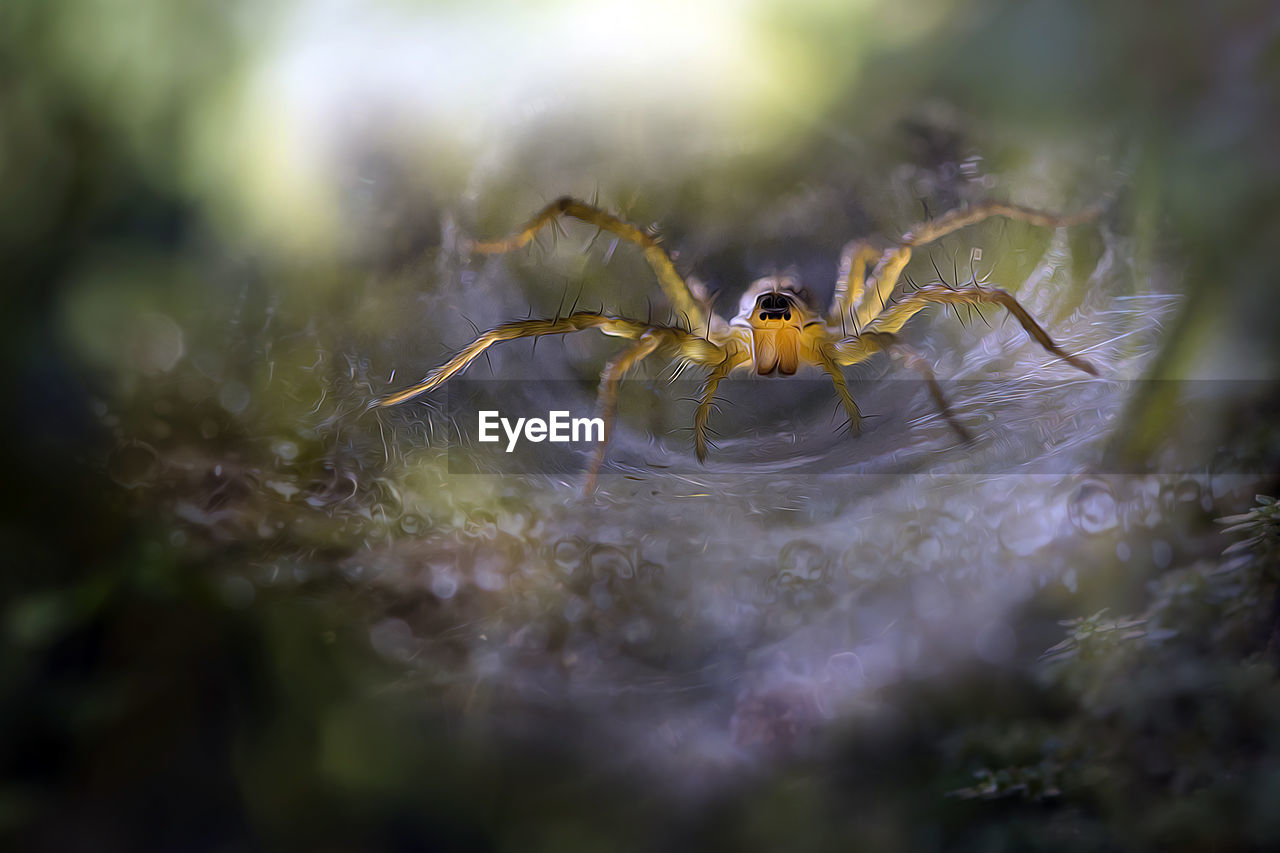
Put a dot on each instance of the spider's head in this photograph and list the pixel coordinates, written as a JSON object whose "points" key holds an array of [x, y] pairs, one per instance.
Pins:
{"points": [[776, 311]]}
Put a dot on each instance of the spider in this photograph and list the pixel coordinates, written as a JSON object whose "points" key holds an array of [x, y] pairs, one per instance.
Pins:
{"points": [[776, 329]]}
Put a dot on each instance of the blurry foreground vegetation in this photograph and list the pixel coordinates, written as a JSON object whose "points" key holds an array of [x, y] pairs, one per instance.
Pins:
{"points": [[157, 693]]}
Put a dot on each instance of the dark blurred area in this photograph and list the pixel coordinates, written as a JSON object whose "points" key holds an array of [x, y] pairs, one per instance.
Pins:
{"points": [[226, 622]]}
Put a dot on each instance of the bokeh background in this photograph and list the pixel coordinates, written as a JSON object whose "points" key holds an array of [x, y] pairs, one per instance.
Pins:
{"points": [[242, 611]]}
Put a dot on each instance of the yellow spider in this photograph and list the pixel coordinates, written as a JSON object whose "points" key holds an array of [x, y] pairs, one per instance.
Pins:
{"points": [[775, 329]]}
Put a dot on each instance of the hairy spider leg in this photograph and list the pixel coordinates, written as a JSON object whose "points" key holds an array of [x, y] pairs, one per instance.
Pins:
{"points": [[648, 339], [677, 289], [616, 326], [891, 344], [896, 316], [875, 297], [851, 280], [608, 399], [735, 357], [828, 363], [860, 348]]}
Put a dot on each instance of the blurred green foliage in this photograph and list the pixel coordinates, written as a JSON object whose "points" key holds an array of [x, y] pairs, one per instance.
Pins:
{"points": [[153, 696]]}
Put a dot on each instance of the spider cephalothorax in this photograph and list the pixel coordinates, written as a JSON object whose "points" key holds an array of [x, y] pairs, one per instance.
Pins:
{"points": [[776, 329], [776, 316]]}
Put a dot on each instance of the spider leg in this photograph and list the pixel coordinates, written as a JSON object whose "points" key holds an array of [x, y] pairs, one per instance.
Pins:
{"points": [[916, 361], [648, 339], [885, 275], [880, 285], [726, 366], [930, 230], [832, 368], [851, 280], [676, 288], [613, 373], [896, 316], [519, 329]]}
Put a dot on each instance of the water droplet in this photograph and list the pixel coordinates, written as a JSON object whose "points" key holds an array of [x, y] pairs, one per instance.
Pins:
{"points": [[393, 638], [512, 523], [1071, 581], [803, 562], [234, 396], [157, 343], [928, 551], [567, 554], [1025, 534], [863, 561], [1093, 507], [285, 450], [444, 586], [607, 561]]}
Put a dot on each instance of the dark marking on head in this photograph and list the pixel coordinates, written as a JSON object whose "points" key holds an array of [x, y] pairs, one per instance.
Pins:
{"points": [[774, 306]]}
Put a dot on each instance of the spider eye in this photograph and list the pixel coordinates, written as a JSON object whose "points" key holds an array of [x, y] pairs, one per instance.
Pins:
{"points": [[775, 306]]}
